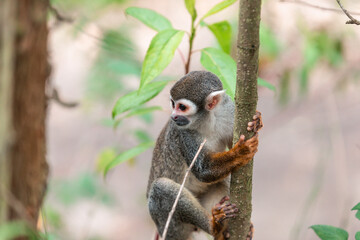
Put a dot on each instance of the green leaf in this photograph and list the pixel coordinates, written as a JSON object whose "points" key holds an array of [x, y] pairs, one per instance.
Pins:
{"points": [[218, 7], [262, 82], [326, 232], [134, 100], [160, 53], [190, 6], [14, 229], [222, 65], [357, 236], [142, 111], [129, 154], [357, 207], [222, 32], [150, 18]]}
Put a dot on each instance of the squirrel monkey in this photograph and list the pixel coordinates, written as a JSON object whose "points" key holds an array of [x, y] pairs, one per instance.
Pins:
{"points": [[200, 109]]}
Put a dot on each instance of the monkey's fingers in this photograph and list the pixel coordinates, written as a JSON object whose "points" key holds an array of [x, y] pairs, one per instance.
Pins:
{"points": [[240, 142], [224, 199], [253, 140]]}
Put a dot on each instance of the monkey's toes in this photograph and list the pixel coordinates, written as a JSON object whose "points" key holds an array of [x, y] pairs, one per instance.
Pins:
{"points": [[256, 124], [223, 210]]}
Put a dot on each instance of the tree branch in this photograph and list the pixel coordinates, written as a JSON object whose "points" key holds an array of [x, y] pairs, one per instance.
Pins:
{"points": [[55, 96], [180, 190], [245, 108], [316, 6], [352, 19]]}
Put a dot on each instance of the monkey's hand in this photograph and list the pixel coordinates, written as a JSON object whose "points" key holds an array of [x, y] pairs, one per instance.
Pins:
{"points": [[220, 212], [244, 151], [257, 124]]}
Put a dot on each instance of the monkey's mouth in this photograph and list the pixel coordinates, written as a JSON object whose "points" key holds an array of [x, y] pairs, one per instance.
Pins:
{"points": [[180, 120]]}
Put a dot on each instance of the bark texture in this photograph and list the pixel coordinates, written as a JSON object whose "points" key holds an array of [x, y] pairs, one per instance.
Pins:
{"points": [[245, 107], [26, 158]]}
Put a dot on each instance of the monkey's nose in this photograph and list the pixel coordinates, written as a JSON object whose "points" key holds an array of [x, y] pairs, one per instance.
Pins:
{"points": [[174, 117]]}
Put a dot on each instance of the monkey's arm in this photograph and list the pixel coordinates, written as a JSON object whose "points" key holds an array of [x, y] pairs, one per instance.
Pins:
{"points": [[213, 166]]}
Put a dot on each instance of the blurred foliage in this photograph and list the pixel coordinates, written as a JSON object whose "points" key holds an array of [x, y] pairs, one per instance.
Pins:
{"points": [[116, 60], [53, 217], [270, 47], [319, 45], [14, 229], [326, 232], [82, 186], [89, 7]]}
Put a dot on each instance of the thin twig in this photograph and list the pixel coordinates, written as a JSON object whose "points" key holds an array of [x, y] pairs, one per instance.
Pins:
{"points": [[180, 190], [55, 96], [58, 16], [182, 56], [317, 7], [352, 19]]}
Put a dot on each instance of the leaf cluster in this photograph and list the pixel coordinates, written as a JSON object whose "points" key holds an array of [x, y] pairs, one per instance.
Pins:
{"points": [[160, 53]]}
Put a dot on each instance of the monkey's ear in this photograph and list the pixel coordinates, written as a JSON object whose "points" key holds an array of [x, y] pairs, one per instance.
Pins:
{"points": [[213, 99]]}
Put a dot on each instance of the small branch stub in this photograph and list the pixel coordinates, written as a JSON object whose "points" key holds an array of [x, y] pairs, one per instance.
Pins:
{"points": [[352, 19]]}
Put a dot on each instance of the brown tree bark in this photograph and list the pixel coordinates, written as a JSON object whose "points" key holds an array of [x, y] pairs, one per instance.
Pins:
{"points": [[245, 107], [27, 147]]}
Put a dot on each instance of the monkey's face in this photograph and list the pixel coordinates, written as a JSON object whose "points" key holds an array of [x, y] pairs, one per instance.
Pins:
{"points": [[186, 114], [183, 111]]}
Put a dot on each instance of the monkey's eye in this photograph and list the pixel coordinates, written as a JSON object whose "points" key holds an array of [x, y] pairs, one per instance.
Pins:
{"points": [[182, 107], [172, 103]]}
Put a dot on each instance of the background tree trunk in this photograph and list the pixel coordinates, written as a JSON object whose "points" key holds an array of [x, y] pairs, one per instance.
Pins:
{"points": [[7, 34], [26, 148], [245, 102]]}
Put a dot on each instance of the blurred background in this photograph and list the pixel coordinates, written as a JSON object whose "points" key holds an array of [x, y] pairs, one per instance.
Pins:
{"points": [[307, 169]]}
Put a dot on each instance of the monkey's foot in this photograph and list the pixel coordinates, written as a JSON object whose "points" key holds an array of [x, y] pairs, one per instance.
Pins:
{"points": [[257, 124], [220, 212], [223, 210]]}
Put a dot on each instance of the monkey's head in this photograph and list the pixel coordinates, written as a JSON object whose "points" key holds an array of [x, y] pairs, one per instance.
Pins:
{"points": [[193, 97]]}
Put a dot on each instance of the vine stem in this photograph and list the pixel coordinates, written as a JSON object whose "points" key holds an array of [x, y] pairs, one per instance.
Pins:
{"points": [[191, 40]]}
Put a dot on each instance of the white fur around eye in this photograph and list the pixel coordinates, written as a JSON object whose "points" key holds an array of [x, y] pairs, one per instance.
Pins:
{"points": [[192, 108], [171, 100]]}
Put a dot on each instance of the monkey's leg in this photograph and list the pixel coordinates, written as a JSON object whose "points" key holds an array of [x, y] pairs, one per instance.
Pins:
{"points": [[188, 213]]}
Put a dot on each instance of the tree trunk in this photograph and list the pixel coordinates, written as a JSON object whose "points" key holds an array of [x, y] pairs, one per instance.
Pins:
{"points": [[7, 33], [26, 149], [245, 102]]}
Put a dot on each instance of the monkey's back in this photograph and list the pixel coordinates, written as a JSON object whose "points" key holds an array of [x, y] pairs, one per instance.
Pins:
{"points": [[167, 160]]}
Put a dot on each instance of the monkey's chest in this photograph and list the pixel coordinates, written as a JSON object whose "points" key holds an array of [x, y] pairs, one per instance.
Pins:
{"points": [[195, 186]]}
